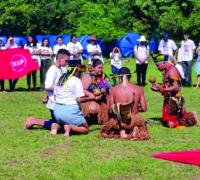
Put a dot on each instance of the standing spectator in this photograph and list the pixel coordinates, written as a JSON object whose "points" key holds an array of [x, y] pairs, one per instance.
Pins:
{"points": [[76, 49], [45, 56], [11, 45], [141, 55], [58, 46], [2, 46], [187, 50], [167, 46], [33, 49], [197, 65], [94, 49], [116, 63]]}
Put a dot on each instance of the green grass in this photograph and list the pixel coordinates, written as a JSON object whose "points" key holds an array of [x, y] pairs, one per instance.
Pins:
{"points": [[35, 154]]}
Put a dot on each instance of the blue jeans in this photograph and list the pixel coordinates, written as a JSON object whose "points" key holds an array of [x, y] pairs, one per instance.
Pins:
{"points": [[187, 68], [115, 71]]}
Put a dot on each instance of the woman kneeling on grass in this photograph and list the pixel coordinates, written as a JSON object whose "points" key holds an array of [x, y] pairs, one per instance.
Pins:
{"points": [[68, 93]]}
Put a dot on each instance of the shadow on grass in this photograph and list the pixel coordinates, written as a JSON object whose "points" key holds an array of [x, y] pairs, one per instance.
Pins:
{"points": [[154, 120], [28, 90]]}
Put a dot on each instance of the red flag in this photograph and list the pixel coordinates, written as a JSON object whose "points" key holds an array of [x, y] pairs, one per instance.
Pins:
{"points": [[188, 157], [15, 63]]}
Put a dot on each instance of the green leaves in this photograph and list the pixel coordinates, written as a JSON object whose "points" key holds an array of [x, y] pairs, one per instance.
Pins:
{"points": [[107, 19]]}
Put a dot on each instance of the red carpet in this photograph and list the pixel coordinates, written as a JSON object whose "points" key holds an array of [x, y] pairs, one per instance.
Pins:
{"points": [[187, 157]]}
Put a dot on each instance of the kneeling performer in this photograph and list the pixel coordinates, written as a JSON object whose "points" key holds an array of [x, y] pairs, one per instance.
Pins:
{"points": [[126, 100]]}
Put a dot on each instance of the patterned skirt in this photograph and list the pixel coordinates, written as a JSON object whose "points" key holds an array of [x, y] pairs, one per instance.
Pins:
{"points": [[136, 130]]}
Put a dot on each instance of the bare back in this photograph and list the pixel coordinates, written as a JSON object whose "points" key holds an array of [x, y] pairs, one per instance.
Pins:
{"points": [[124, 94]]}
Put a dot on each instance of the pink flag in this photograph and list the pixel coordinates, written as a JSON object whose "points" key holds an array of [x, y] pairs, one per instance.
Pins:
{"points": [[15, 63], [188, 157]]}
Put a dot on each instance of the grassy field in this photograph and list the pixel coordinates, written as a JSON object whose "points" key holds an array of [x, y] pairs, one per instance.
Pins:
{"points": [[35, 154]]}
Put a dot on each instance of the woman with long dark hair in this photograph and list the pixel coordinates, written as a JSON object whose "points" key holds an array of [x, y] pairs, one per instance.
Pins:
{"points": [[32, 47], [45, 56]]}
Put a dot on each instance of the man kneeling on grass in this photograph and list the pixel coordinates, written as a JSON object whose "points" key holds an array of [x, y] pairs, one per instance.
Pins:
{"points": [[126, 100], [174, 114], [68, 93]]}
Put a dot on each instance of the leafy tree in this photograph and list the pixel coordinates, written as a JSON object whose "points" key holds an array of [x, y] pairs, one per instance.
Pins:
{"points": [[101, 20], [108, 19]]}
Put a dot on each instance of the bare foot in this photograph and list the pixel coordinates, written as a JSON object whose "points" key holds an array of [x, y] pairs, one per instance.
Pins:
{"points": [[196, 117], [170, 124], [67, 130], [135, 133], [29, 123], [123, 134], [54, 129]]}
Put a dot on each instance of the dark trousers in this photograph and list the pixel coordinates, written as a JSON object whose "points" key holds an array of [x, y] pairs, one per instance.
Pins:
{"points": [[45, 64], [141, 70], [34, 78], [12, 84], [2, 85], [47, 124], [187, 68], [115, 71]]}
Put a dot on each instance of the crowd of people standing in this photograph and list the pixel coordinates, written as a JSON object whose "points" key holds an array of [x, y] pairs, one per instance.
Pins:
{"points": [[44, 55]]}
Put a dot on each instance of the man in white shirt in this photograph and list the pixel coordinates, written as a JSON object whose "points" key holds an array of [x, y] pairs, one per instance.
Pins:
{"points": [[187, 49], [141, 55], [167, 46], [52, 77], [94, 49], [68, 94], [76, 49]]}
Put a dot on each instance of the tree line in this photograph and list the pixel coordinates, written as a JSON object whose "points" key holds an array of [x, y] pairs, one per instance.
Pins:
{"points": [[108, 19]]}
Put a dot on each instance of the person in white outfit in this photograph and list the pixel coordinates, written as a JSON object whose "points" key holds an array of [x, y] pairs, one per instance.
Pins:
{"points": [[94, 50], [167, 47], [34, 51], [45, 56], [116, 63], [76, 49], [59, 45], [187, 49], [141, 54]]}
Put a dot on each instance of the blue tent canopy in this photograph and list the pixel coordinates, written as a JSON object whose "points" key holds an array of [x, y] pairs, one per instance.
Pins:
{"points": [[52, 40], [3, 40], [127, 43], [66, 38], [20, 41], [40, 37], [153, 45], [84, 43]]}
